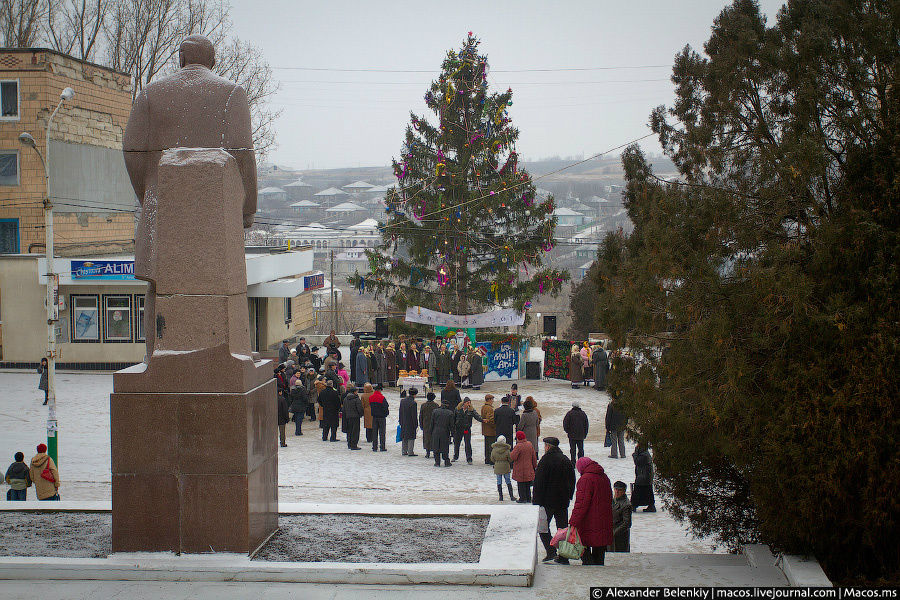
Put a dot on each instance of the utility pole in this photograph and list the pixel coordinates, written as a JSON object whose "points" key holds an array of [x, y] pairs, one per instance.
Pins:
{"points": [[52, 284], [333, 307]]}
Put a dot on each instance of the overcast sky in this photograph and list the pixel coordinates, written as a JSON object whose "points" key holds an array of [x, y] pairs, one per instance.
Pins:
{"points": [[337, 118]]}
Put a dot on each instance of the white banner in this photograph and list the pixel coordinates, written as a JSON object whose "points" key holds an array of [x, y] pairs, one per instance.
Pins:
{"points": [[496, 318]]}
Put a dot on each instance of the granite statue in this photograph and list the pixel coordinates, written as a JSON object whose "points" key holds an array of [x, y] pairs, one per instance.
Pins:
{"points": [[189, 152], [191, 108]]}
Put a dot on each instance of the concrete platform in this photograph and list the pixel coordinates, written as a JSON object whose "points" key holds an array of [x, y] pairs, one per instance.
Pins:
{"points": [[508, 554], [551, 582]]}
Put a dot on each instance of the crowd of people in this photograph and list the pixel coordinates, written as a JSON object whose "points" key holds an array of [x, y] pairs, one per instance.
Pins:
{"points": [[588, 365], [383, 362], [544, 474]]}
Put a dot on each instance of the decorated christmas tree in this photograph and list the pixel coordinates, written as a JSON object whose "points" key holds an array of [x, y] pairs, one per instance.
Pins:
{"points": [[465, 231]]}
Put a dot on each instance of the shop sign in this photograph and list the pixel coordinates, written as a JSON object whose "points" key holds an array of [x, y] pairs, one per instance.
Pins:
{"points": [[102, 269], [313, 282]]}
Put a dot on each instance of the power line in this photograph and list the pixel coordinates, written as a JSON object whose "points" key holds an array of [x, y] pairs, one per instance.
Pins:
{"points": [[508, 83], [547, 70]]}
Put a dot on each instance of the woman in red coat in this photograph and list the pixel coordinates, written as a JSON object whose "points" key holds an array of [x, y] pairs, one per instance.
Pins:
{"points": [[592, 513], [524, 461]]}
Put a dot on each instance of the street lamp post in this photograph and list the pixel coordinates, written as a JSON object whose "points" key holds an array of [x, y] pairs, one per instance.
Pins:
{"points": [[52, 282]]}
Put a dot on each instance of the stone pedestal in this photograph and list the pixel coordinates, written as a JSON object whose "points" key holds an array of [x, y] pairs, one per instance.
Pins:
{"points": [[194, 429]]}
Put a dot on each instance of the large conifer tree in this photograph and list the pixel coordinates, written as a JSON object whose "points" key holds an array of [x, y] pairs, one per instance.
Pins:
{"points": [[465, 230], [771, 270]]}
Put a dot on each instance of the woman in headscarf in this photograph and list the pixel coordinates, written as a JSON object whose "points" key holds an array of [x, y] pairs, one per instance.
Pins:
{"points": [[390, 365], [575, 362], [592, 514]]}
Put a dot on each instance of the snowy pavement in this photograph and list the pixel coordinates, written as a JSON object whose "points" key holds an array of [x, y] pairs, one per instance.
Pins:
{"points": [[310, 470]]}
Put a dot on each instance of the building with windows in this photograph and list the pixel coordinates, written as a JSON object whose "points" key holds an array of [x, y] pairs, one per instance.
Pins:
{"points": [[101, 306], [92, 196]]}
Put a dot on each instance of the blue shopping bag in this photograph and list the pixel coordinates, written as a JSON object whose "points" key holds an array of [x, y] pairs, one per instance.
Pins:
{"points": [[398, 433]]}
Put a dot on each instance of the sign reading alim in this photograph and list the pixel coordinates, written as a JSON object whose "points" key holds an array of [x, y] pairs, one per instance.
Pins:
{"points": [[102, 269]]}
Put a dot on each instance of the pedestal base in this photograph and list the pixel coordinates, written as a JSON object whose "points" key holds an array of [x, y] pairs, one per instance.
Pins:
{"points": [[194, 472]]}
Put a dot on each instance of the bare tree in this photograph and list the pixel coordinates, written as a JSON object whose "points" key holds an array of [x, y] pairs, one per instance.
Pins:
{"points": [[242, 63], [74, 26], [141, 37], [20, 22]]}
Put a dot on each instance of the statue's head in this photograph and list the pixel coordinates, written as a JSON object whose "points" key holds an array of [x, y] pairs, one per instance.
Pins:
{"points": [[197, 50]]}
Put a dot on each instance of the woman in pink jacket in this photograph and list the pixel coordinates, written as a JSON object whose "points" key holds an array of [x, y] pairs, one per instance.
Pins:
{"points": [[524, 461]]}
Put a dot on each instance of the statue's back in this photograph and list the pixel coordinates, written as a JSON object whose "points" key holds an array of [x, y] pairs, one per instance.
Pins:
{"points": [[194, 108]]}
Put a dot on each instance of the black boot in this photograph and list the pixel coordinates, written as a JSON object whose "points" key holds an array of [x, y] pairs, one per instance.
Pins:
{"points": [[500, 491], [509, 487], [550, 550], [551, 554]]}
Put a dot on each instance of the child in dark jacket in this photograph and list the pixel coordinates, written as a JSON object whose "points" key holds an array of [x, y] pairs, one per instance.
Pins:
{"points": [[18, 478]]}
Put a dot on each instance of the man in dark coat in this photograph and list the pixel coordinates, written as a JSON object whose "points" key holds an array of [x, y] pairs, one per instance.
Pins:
{"points": [[621, 519], [332, 376], [615, 426], [642, 494], [283, 417], [476, 369], [331, 409], [575, 424], [441, 425], [302, 349], [515, 399], [505, 419], [314, 358], [352, 413], [601, 367], [284, 353], [554, 484], [354, 350], [299, 401], [409, 422], [425, 415], [443, 364], [463, 428]]}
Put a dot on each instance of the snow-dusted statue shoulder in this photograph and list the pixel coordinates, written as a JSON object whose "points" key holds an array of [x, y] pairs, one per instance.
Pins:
{"points": [[192, 108]]}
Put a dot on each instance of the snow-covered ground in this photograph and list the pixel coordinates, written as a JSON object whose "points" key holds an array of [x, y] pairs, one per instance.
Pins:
{"points": [[310, 470]]}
